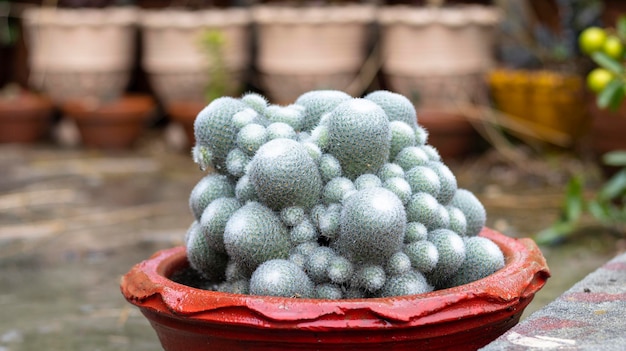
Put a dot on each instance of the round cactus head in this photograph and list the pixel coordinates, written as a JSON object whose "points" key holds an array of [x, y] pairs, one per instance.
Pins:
{"points": [[372, 226], [359, 137], [280, 277], [214, 130], [318, 102], [284, 174]]}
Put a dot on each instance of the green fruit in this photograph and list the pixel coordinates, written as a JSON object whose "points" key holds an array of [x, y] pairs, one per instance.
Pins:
{"points": [[483, 258], [598, 79], [318, 102], [281, 278], [255, 234], [423, 255], [209, 188], [613, 47], [474, 212], [410, 283], [396, 106], [592, 39], [214, 219], [213, 128], [372, 228], [359, 137], [202, 258], [284, 174]]}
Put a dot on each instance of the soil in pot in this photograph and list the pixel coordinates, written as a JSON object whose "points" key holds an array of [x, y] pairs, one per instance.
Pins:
{"points": [[24, 117], [112, 125], [460, 318]]}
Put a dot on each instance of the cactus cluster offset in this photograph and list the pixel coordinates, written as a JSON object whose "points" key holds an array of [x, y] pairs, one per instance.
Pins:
{"points": [[331, 197]]}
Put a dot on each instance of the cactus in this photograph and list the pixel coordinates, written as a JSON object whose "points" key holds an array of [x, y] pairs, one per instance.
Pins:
{"points": [[473, 210], [359, 137], [281, 278], [255, 234], [284, 174], [318, 102], [330, 197], [396, 106], [373, 221], [213, 128], [209, 188]]}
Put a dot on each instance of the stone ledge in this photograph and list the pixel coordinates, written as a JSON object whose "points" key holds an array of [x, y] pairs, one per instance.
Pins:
{"points": [[589, 316]]}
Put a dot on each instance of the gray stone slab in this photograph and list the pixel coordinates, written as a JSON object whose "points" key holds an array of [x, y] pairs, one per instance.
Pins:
{"points": [[589, 316]]}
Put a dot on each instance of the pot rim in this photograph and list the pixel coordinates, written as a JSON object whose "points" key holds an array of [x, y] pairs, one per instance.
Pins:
{"points": [[525, 272]]}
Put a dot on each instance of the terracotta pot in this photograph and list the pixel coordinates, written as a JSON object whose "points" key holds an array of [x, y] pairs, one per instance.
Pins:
{"points": [[24, 118], [184, 113], [461, 318], [111, 125], [450, 133]]}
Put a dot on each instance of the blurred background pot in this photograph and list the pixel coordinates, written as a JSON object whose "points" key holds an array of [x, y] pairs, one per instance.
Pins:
{"points": [[461, 318], [25, 117], [80, 52], [311, 47], [111, 125]]}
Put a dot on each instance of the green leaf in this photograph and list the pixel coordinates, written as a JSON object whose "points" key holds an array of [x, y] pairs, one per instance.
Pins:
{"points": [[615, 158], [621, 27], [556, 233], [574, 201], [614, 188], [605, 61], [611, 95], [599, 210]]}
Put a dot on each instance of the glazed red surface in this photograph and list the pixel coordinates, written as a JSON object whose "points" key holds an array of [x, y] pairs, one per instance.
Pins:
{"points": [[464, 317]]}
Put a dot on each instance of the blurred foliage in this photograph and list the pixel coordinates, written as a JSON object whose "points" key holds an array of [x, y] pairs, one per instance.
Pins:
{"points": [[212, 42], [533, 37], [607, 206]]}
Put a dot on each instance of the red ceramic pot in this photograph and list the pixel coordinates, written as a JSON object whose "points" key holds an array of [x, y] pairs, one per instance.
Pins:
{"points": [[461, 318], [110, 125], [24, 118]]}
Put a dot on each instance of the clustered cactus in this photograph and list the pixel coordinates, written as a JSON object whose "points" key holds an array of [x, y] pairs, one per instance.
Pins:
{"points": [[331, 197]]}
